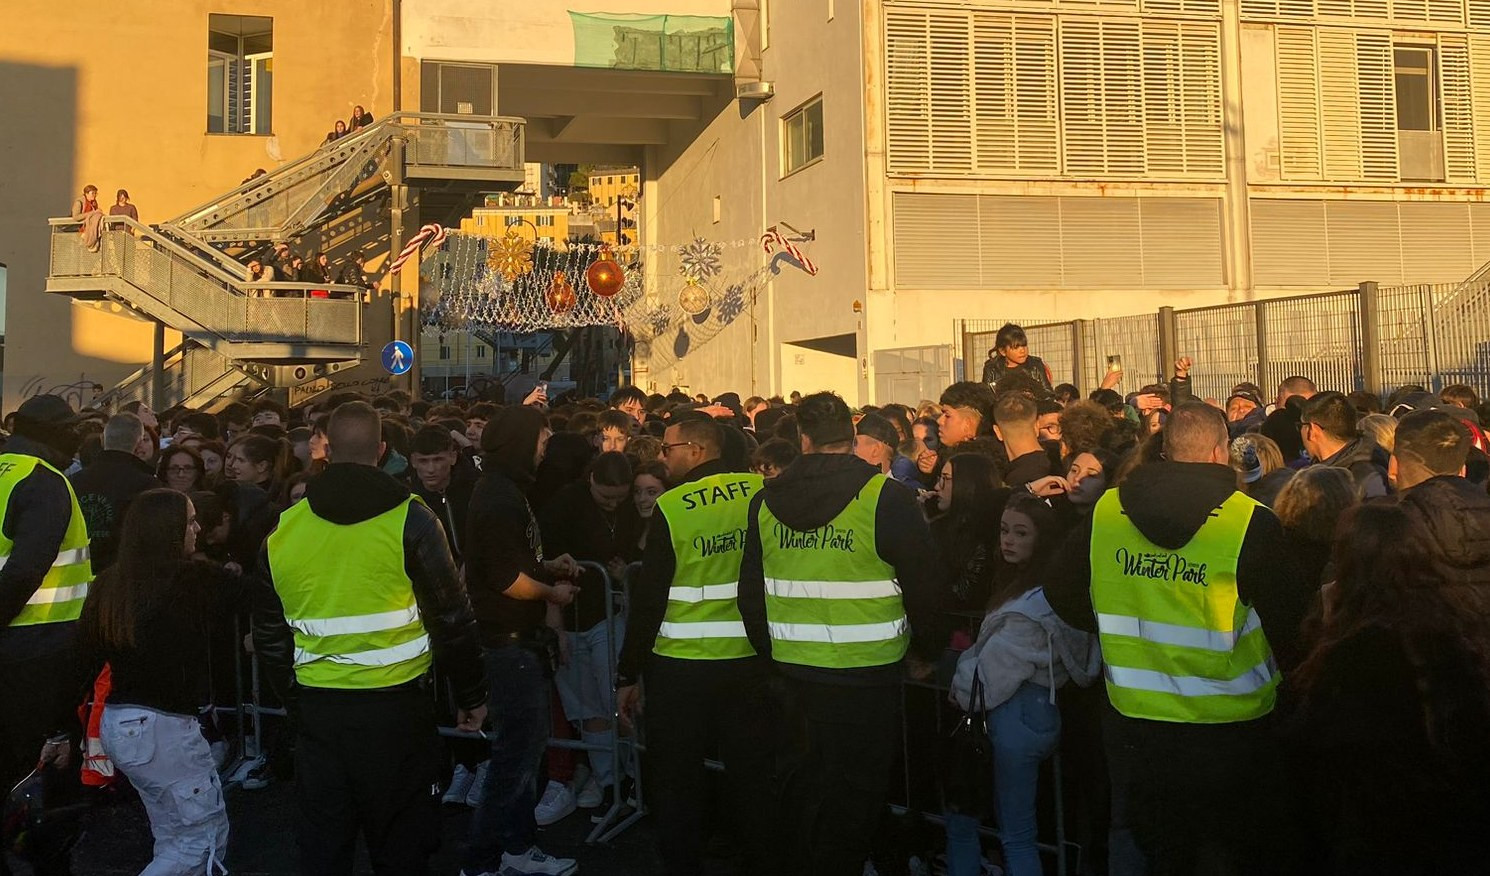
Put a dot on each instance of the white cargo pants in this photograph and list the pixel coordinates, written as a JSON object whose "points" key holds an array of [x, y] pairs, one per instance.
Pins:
{"points": [[169, 763]]}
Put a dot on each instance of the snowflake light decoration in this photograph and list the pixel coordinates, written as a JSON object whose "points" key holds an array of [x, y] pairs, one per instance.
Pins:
{"points": [[659, 319], [511, 256], [700, 260], [731, 303]]}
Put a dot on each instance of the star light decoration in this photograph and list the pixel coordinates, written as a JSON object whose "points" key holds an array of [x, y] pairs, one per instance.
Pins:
{"points": [[700, 260], [511, 256]]}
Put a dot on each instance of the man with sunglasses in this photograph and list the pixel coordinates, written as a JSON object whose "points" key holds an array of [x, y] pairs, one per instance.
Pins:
{"points": [[706, 685]]}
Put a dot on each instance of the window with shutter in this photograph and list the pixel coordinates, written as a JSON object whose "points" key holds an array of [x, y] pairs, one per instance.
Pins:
{"points": [[908, 91], [1182, 100], [1340, 105], [1289, 243], [1017, 119], [1477, 13], [937, 241], [1278, 9], [1181, 241], [1457, 100], [1365, 241], [1182, 7], [1378, 102], [1479, 82], [1101, 99], [1298, 103], [951, 93]]}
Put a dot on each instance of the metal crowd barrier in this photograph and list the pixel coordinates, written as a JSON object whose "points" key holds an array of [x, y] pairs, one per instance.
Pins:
{"points": [[249, 710], [627, 749]]}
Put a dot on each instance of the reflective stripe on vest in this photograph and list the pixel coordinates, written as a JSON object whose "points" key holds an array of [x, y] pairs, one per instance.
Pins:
{"points": [[706, 520], [64, 588], [1177, 642], [356, 622], [831, 602]]}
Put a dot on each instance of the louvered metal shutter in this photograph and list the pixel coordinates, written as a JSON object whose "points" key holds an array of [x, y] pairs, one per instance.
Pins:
{"points": [[1457, 95], [1182, 100], [1479, 80], [946, 241], [1337, 104], [1365, 243], [1018, 117], [908, 91], [1479, 232], [1102, 97], [1290, 246], [1477, 12], [1298, 103], [1437, 242], [1278, 9]]}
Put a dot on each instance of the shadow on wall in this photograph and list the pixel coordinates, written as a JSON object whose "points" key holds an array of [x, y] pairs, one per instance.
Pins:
{"points": [[39, 155]]}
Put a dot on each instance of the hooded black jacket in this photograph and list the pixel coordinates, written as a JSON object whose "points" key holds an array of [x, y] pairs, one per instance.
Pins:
{"points": [[1169, 502], [36, 519], [347, 493], [1457, 514], [810, 493], [502, 535], [105, 490]]}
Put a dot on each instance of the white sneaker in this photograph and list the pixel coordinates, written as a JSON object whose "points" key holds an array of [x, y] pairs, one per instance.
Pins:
{"points": [[460, 786], [590, 794], [477, 794], [556, 805], [534, 862]]}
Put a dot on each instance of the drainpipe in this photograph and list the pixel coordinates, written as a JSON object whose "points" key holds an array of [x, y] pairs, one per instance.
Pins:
{"points": [[398, 55], [1233, 123]]}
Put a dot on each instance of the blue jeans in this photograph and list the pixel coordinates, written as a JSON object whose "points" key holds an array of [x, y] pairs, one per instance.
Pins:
{"points": [[519, 714], [1024, 731]]}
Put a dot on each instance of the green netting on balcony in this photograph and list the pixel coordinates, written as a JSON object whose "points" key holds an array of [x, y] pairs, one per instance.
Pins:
{"points": [[665, 43]]}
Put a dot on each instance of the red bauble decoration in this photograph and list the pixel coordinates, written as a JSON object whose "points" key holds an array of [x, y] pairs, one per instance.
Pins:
{"points": [[560, 296], [604, 276]]}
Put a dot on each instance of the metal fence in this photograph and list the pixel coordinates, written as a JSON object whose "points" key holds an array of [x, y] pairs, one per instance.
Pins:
{"points": [[1370, 337]]}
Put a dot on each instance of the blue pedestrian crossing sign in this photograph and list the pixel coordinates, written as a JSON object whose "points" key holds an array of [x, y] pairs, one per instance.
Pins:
{"points": [[398, 357]]}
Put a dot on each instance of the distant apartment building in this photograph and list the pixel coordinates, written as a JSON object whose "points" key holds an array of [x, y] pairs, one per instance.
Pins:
{"points": [[608, 185], [529, 217]]}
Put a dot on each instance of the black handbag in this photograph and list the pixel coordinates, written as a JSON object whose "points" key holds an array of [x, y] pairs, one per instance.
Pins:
{"points": [[967, 759]]}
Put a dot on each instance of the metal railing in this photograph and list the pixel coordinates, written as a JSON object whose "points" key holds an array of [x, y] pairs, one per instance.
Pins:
{"points": [[1374, 338], [284, 202], [159, 276], [194, 376]]}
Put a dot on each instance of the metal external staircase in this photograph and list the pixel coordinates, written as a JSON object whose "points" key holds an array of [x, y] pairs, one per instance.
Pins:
{"points": [[190, 273]]}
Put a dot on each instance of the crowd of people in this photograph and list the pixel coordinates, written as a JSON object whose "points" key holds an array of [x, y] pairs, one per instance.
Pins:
{"points": [[1256, 632]]}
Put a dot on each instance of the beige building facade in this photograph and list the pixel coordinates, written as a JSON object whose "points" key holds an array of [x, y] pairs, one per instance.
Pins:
{"points": [[177, 102]]}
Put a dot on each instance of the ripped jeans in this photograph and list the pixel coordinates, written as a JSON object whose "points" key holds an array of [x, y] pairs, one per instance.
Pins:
{"points": [[519, 715], [170, 764]]}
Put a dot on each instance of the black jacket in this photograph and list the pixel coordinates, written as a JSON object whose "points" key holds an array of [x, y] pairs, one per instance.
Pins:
{"points": [[811, 492], [1168, 502], [1457, 514], [1034, 368], [345, 494], [36, 519], [451, 506], [647, 604], [572, 523], [1367, 465], [105, 490]]}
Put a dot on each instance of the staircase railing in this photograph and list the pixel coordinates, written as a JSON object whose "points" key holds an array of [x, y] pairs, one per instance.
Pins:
{"points": [[284, 202], [202, 299], [194, 376]]}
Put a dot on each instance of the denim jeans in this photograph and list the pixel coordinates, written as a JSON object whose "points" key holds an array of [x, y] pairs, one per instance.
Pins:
{"points": [[519, 714], [1024, 731], [585, 688]]}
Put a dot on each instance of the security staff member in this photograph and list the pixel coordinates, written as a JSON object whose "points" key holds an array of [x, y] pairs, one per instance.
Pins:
{"points": [[705, 686], [364, 593], [43, 582], [1191, 589], [835, 580]]}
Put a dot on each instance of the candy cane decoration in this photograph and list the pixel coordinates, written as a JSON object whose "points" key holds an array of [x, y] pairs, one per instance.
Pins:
{"points": [[432, 233], [772, 237]]}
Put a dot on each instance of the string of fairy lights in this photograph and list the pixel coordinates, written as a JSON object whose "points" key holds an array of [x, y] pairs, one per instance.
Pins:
{"points": [[510, 284]]}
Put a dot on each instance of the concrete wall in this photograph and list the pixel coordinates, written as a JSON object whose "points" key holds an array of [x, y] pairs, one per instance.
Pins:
{"points": [[737, 157], [115, 95]]}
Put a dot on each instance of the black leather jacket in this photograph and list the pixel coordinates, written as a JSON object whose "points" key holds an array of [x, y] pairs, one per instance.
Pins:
{"points": [[347, 493]]}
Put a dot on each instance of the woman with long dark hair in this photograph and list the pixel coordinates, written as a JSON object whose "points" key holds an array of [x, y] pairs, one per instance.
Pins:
{"points": [[971, 498], [149, 617], [1024, 653], [1394, 706]]}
